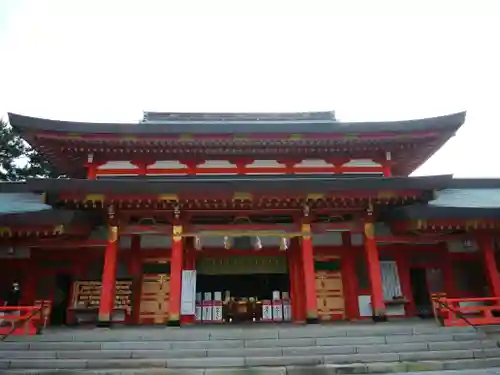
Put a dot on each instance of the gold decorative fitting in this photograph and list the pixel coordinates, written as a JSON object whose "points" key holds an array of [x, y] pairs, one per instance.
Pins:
{"points": [[95, 198], [173, 317], [104, 317], [312, 314], [186, 136], [113, 234], [58, 229], [315, 196], [295, 136], [128, 139], [369, 230], [242, 196], [387, 194], [350, 136], [421, 224], [472, 224], [177, 233], [306, 210], [369, 210], [306, 231], [177, 212], [168, 197], [5, 231]]}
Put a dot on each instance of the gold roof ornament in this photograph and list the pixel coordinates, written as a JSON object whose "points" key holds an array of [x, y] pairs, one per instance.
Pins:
{"points": [[197, 243], [258, 243], [285, 243]]}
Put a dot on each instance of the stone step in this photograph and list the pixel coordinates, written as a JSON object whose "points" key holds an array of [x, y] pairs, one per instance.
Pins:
{"points": [[167, 343], [138, 351], [199, 334], [92, 362], [319, 349], [469, 366]]}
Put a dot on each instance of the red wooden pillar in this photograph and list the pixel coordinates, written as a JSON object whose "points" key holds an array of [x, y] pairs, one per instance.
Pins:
{"points": [[373, 263], [175, 277], [92, 169], [490, 265], [387, 165], [108, 287], [299, 289], [136, 271], [296, 284], [293, 283], [309, 275], [189, 264], [387, 170], [350, 280], [404, 277]]}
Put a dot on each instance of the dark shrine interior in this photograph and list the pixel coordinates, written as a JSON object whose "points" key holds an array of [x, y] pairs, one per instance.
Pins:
{"points": [[260, 286]]}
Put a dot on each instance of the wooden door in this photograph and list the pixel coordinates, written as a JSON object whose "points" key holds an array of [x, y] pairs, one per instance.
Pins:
{"points": [[329, 289], [155, 293]]}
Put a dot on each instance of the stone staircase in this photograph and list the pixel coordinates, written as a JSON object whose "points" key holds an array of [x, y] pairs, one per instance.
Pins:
{"points": [[258, 350]]}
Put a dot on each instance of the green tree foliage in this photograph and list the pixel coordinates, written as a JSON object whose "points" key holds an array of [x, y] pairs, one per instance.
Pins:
{"points": [[18, 161]]}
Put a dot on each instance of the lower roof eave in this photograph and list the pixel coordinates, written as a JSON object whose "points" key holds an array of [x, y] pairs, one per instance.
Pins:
{"points": [[428, 212], [221, 184], [49, 217]]}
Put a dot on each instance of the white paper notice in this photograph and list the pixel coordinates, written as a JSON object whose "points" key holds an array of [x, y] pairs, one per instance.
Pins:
{"points": [[188, 294]]}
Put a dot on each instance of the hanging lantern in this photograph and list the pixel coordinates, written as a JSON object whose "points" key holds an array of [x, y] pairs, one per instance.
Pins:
{"points": [[285, 242], [197, 243], [227, 243], [258, 243]]}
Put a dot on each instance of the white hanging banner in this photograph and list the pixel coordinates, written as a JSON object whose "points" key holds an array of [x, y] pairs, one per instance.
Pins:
{"points": [[391, 285], [188, 292]]}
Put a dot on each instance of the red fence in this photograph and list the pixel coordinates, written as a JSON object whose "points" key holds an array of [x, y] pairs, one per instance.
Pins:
{"points": [[20, 320], [452, 312]]}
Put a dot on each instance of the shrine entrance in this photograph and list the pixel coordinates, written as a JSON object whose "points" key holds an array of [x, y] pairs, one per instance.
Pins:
{"points": [[245, 286], [155, 292]]}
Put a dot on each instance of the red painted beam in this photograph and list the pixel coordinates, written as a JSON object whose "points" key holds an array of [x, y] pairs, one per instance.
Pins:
{"points": [[63, 243], [236, 170], [278, 195], [332, 227], [243, 227], [138, 229]]}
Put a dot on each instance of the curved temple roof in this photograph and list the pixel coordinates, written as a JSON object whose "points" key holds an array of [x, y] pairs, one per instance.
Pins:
{"points": [[316, 123], [238, 116], [462, 199]]}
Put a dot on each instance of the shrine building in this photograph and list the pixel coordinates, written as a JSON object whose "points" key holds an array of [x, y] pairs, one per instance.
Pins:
{"points": [[228, 218]]}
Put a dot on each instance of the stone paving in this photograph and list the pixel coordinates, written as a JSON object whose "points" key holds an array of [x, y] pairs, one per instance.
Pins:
{"points": [[454, 372]]}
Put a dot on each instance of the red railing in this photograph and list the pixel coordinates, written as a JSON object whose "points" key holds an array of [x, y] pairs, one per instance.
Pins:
{"points": [[452, 314], [20, 320]]}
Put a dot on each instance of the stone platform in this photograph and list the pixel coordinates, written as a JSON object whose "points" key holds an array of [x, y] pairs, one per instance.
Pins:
{"points": [[392, 347]]}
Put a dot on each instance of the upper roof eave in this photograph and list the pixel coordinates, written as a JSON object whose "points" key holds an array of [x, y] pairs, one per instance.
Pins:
{"points": [[447, 123]]}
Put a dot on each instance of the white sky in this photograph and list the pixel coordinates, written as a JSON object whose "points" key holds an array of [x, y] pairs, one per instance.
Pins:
{"points": [[108, 60]]}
